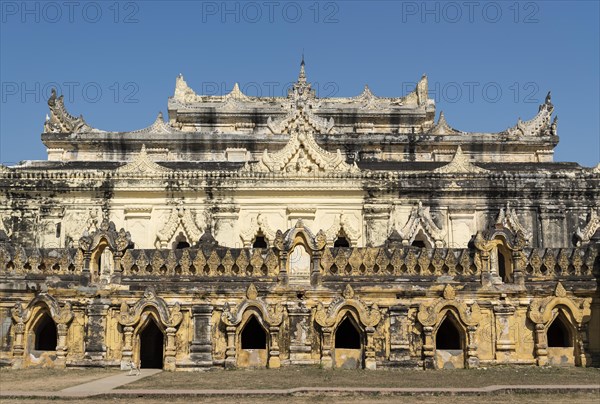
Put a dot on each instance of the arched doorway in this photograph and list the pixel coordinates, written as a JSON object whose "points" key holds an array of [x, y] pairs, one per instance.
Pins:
{"points": [[253, 344], [152, 343], [46, 334], [561, 351], [449, 344], [348, 352]]}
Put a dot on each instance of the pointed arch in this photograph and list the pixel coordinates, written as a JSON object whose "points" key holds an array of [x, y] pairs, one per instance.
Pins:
{"points": [[151, 336], [449, 335], [559, 333], [253, 335], [44, 332]]}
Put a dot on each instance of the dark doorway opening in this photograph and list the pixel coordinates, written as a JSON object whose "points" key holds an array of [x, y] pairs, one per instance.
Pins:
{"points": [[558, 334], [259, 242], [347, 336], [46, 334], [253, 335], [341, 241], [447, 336], [418, 244], [151, 347]]}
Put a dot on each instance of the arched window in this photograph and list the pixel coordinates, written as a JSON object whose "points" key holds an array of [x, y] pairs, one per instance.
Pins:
{"points": [[259, 242], [347, 336], [253, 335], [448, 335], [46, 334], [558, 334], [341, 241]]}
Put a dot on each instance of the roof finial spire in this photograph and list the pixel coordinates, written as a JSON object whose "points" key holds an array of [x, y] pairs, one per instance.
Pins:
{"points": [[302, 75]]}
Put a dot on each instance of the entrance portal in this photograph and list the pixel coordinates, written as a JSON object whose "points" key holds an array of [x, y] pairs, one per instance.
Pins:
{"points": [[449, 352], [253, 344], [45, 334], [151, 347], [347, 346]]}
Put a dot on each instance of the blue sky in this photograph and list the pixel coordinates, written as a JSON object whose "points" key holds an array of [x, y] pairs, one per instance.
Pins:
{"points": [[488, 63]]}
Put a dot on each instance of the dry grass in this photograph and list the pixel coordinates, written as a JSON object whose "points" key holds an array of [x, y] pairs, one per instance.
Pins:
{"points": [[314, 377], [579, 398], [48, 379]]}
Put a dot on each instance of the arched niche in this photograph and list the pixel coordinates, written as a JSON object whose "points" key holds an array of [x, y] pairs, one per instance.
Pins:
{"points": [[573, 315], [252, 341], [348, 343], [449, 336], [237, 318], [41, 327], [44, 332], [134, 319], [560, 338]]}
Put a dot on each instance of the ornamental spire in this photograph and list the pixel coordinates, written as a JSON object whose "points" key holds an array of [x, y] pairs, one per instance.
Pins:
{"points": [[302, 75]]}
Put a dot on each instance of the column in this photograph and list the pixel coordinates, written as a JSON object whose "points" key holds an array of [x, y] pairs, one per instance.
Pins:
{"points": [[201, 347]]}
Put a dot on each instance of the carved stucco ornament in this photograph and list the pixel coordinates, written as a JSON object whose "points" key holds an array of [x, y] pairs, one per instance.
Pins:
{"points": [[180, 216], [258, 223], [368, 317], [60, 315], [508, 219], [272, 315], [460, 164], [345, 223], [117, 240], [542, 310], [420, 219], [158, 126], [169, 317], [141, 165], [431, 313], [60, 121], [591, 227], [539, 125], [442, 127]]}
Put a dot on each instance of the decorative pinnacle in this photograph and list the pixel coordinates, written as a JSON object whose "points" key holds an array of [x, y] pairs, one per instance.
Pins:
{"points": [[302, 75]]}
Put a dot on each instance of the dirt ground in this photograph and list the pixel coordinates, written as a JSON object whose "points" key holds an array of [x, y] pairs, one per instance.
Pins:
{"points": [[579, 398], [314, 377], [48, 379]]}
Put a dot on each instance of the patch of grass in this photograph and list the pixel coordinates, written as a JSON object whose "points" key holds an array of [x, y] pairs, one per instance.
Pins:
{"points": [[48, 379], [579, 398], [291, 377]]}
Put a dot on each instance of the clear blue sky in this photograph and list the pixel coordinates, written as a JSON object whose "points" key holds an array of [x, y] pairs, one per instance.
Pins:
{"points": [[132, 52]]}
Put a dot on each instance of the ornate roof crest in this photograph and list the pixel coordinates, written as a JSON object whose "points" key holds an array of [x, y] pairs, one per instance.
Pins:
{"points": [[141, 164], [460, 164], [258, 223], [180, 216], [420, 219], [301, 155], [508, 219], [183, 93], [343, 222], [159, 126], [592, 226], [442, 127], [539, 125], [60, 121]]}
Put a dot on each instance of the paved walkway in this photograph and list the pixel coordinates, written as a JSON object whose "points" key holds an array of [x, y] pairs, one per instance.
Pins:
{"points": [[106, 387]]}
